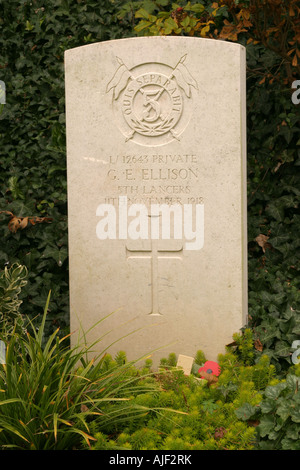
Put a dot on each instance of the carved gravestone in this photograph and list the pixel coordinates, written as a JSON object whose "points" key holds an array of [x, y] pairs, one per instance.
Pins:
{"points": [[156, 161]]}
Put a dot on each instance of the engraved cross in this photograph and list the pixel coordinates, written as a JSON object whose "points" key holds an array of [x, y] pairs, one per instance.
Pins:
{"points": [[155, 252]]}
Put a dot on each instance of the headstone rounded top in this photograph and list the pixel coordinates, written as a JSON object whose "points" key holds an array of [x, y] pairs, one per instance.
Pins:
{"points": [[156, 159]]}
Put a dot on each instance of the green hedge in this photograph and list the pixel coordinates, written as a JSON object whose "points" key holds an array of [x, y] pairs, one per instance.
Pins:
{"points": [[33, 37], [273, 211]]}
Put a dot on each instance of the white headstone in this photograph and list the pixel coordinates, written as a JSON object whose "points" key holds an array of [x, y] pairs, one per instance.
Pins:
{"points": [[156, 160]]}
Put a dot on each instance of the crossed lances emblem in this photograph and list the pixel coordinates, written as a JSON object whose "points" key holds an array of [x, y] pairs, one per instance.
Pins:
{"points": [[151, 102]]}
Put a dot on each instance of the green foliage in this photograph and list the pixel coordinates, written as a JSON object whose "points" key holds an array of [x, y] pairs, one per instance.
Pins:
{"points": [[273, 211], [200, 357], [245, 346], [168, 362], [54, 397], [190, 414], [33, 38], [12, 280], [254, 378], [164, 17], [278, 414], [50, 394]]}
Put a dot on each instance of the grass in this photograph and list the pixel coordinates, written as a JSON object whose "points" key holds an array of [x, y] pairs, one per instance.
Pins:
{"points": [[50, 393]]}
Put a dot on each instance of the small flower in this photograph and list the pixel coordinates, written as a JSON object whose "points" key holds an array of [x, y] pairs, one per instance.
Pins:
{"points": [[210, 367]]}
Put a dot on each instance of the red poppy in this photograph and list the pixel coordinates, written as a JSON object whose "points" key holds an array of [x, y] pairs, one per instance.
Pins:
{"points": [[210, 367]]}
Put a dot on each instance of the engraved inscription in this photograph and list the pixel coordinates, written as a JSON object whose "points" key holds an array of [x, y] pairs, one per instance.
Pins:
{"points": [[149, 178]]}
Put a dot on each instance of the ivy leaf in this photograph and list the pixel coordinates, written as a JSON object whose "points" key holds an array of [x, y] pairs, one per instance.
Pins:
{"points": [[296, 329], [29, 26], [278, 240], [14, 187], [283, 349], [274, 211], [269, 334], [266, 297], [58, 254]]}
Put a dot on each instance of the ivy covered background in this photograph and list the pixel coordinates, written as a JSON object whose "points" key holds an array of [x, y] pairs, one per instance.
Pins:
{"points": [[33, 192]]}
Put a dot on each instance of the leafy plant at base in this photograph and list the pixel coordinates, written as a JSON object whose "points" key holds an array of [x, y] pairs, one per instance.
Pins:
{"points": [[48, 400], [243, 346], [12, 280], [208, 420], [278, 414]]}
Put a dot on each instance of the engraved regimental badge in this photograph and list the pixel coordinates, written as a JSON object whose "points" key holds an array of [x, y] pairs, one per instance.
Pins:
{"points": [[152, 101]]}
